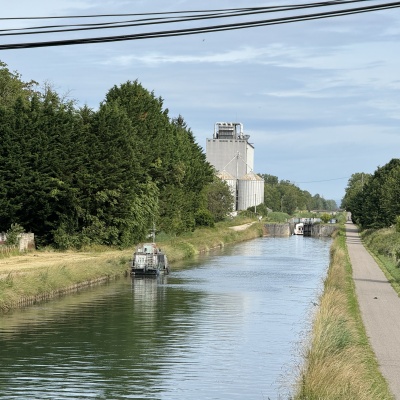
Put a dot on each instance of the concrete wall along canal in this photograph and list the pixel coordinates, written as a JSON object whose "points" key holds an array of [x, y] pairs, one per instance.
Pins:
{"points": [[287, 229]]}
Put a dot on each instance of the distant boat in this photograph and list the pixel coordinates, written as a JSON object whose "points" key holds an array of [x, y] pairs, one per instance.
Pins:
{"points": [[298, 229], [149, 260]]}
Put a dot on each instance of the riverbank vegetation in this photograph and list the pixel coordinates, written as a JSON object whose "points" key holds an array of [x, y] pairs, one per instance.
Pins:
{"points": [[41, 275], [384, 244], [373, 199], [339, 362]]}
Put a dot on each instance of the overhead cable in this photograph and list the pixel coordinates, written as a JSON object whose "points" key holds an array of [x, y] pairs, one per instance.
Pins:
{"points": [[209, 29], [167, 17]]}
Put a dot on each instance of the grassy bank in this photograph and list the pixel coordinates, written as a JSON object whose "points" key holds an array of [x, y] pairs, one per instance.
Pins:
{"points": [[38, 276], [384, 245], [339, 363]]}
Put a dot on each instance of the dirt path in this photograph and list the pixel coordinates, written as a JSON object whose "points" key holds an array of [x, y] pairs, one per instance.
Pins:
{"points": [[241, 227], [380, 308]]}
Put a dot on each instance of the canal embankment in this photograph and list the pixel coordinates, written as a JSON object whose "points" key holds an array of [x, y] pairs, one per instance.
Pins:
{"points": [[285, 229], [42, 275], [339, 361]]}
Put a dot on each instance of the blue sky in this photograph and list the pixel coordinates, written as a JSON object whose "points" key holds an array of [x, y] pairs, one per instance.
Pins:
{"points": [[319, 99]]}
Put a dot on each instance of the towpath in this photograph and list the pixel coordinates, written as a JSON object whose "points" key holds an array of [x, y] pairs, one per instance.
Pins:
{"points": [[380, 308], [241, 227]]}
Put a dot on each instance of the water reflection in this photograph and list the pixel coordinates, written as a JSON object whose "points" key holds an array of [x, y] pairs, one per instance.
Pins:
{"points": [[222, 327]]}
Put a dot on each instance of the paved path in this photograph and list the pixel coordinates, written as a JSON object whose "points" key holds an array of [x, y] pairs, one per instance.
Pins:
{"points": [[380, 309]]}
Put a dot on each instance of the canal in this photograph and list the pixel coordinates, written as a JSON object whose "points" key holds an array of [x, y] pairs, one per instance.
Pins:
{"points": [[226, 326]]}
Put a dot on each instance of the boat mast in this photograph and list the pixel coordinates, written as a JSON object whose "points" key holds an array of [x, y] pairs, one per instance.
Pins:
{"points": [[153, 233]]}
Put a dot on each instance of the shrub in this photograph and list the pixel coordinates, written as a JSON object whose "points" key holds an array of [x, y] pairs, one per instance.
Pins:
{"points": [[13, 234], [204, 218], [398, 223]]}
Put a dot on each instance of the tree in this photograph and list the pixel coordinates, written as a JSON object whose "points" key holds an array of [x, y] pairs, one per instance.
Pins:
{"points": [[12, 87], [219, 199]]}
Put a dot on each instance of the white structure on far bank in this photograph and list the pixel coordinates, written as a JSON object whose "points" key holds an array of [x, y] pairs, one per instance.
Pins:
{"points": [[230, 152]]}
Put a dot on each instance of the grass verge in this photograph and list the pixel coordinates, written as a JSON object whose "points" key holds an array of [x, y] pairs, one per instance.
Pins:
{"points": [[34, 277], [384, 246], [339, 362]]}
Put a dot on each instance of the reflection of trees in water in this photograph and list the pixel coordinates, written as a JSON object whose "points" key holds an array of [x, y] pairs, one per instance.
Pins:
{"points": [[111, 333]]}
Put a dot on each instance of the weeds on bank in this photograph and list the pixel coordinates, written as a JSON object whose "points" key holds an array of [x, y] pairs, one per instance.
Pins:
{"points": [[8, 251], [339, 363], [22, 288]]}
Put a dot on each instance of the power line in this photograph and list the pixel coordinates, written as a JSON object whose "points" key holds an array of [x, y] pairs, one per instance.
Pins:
{"points": [[208, 29], [286, 7], [168, 17]]}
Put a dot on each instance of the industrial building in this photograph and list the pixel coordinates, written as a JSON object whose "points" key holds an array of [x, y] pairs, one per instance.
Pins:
{"points": [[231, 154]]}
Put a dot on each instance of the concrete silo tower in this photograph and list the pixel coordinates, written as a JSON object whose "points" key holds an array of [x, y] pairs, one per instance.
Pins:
{"points": [[230, 152], [229, 149]]}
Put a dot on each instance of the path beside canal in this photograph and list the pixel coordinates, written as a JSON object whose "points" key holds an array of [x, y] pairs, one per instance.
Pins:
{"points": [[380, 308]]}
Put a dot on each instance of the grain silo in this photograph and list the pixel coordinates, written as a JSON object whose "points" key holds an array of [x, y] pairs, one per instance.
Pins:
{"points": [[231, 153], [229, 149], [250, 191]]}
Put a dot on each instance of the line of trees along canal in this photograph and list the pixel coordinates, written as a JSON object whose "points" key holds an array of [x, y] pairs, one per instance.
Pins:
{"points": [[374, 199], [75, 176]]}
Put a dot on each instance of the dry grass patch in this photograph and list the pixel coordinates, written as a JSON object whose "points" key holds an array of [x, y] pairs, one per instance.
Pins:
{"points": [[52, 277]]}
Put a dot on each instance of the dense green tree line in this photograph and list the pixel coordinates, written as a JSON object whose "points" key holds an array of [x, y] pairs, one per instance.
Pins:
{"points": [[374, 200], [75, 176], [286, 197]]}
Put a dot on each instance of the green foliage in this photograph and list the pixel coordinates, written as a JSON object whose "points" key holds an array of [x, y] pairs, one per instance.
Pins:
{"points": [[286, 197], [204, 218], [219, 199], [398, 224], [325, 218], [12, 86], [386, 243], [79, 177], [13, 234], [278, 217], [374, 199], [261, 209]]}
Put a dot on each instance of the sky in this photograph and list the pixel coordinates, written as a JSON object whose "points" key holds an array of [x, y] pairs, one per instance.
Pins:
{"points": [[320, 99]]}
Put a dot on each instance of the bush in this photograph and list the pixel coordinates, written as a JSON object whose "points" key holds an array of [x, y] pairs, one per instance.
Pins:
{"points": [[325, 218], [277, 216], [398, 223], [204, 218], [13, 234]]}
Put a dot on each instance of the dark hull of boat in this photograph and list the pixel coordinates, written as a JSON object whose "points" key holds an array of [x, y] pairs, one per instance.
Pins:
{"points": [[144, 272]]}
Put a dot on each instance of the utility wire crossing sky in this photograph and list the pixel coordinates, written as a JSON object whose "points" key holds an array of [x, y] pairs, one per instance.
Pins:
{"points": [[320, 98], [189, 16]]}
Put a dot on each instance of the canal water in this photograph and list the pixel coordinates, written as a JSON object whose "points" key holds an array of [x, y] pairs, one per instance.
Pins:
{"points": [[226, 326]]}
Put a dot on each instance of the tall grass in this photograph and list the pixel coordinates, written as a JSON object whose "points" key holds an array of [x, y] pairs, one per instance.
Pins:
{"points": [[339, 362], [8, 251]]}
